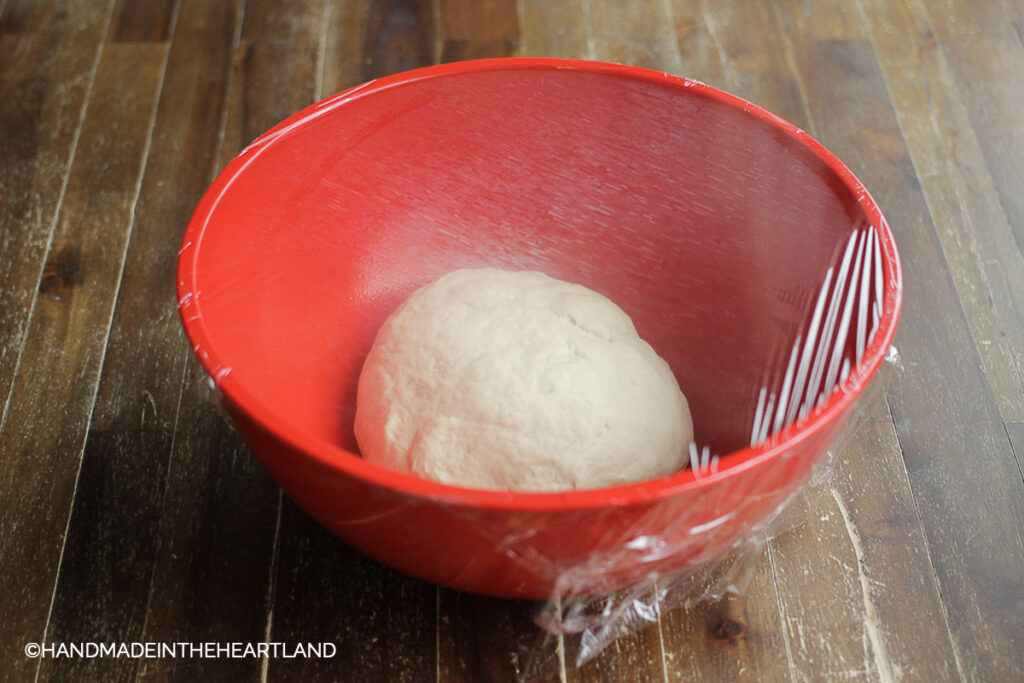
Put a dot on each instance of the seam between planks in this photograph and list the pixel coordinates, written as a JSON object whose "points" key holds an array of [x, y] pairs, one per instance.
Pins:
{"points": [[76, 136], [117, 288], [521, 19], [871, 622], [677, 56], [782, 611], [438, 46], [437, 634], [272, 587], [321, 52], [1016, 456], [588, 29], [927, 549], [163, 504], [661, 634]]}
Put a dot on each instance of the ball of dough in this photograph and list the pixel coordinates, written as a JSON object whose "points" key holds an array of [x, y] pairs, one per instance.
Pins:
{"points": [[518, 381]]}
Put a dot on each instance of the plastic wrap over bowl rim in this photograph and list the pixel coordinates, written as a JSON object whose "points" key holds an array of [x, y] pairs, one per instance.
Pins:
{"points": [[335, 457]]}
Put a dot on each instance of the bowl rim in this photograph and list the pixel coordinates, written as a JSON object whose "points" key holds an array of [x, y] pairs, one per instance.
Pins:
{"points": [[337, 458]]}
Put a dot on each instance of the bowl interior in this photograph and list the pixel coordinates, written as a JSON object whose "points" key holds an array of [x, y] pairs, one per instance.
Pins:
{"points": [[708, 225]]}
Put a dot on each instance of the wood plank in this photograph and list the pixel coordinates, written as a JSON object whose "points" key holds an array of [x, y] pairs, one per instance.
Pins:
{"points": [[986, 58], [873, 552], [106, 564], [977, 239], [637, 656], [213, 578], [478, 29], [753, 59], [216, 540], [382, 622], [116, 514], [978, 556], [640, 33], [345, 31], [494, 640], [733, 638], [700, 55], [271, 22], [1015, 431], [400, 35], [824, 19], [41, 444], [50, 57], [554, 28], [144, 21]]}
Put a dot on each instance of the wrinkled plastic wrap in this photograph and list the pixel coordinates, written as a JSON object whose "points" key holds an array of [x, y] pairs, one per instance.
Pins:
{"points": [[839, 327], [587, 611], [780, 271], [573, 630]]}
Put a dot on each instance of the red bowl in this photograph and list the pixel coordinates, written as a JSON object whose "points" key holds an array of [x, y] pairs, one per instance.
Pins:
{"points": [[709, 220]]}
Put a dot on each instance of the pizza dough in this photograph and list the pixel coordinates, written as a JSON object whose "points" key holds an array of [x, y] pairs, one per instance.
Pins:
{"points": [[518, 381]]}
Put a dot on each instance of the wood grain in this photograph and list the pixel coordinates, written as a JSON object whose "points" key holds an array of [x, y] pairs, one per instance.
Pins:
{"points": [[554, 28], [986, 58], [977, 238], [700, 54], [41, 443], [144, 21], [382, 622], [49, 59], [399, 35], [212, 574], [344, 35], [739, 637], [477, 29], [481, 639], [978, 557], [640, 33], [129, 445]]}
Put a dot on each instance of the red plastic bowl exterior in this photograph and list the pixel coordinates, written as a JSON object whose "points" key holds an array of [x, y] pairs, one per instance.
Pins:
{"points": [[512, 544]]}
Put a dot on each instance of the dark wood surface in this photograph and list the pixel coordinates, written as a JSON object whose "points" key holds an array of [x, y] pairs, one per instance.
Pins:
{"points": [[130, 511]]}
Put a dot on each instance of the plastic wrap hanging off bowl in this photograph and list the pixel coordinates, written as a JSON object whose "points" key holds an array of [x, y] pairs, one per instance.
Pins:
{"points": [[719, 228]]}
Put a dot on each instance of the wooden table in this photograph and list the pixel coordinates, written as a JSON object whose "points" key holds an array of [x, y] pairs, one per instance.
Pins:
{"points": [[130, 512]]}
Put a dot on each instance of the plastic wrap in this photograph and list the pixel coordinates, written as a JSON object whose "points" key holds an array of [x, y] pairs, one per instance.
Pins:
{"points": [[587, 610], [839, 327], [752, 261], [573, 629], [841, 324]]}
